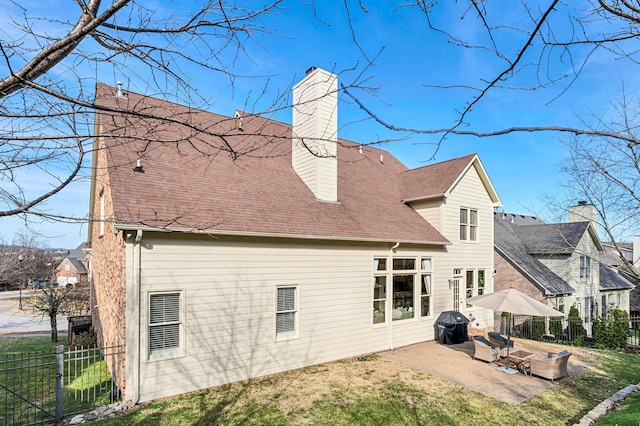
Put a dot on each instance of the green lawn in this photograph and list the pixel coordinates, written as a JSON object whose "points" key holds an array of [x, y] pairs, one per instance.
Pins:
{"points": [[32, 378], [363, 393], [376, 392], [627, 413]]}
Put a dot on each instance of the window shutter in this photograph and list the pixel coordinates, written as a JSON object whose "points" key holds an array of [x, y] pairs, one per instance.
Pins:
{"points": [[164, 321], [286, 314]]}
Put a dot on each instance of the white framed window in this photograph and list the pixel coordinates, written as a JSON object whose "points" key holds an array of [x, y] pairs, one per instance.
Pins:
{"points": [[286, 312], [481, 282], [379, 290], [585, 267], [470, 284], [426, 272], [404, 274], [165, 323], [468, 224]]}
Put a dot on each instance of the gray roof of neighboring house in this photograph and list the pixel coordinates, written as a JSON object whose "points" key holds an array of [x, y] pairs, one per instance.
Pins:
{"points": [[510, 245], [553, 238], [76, 256], [611, 280]]}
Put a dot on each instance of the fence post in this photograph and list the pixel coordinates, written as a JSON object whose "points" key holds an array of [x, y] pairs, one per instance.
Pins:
{"points": [[59, 382]]}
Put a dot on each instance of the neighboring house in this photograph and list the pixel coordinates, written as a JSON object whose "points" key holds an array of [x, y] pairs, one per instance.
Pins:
{"points": [[74, 268], [558, 264], [628, 268], [211, 268]]}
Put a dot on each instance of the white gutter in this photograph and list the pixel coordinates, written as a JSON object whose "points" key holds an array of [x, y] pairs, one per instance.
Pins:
{"points": [[127, 227]]}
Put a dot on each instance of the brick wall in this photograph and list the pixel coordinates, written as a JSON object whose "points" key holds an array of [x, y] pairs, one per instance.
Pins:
{"points": [[108, 260], [507, 277]]}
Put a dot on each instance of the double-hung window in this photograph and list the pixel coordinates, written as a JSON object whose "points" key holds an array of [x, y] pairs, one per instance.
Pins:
{"points": [[425, 286], [165, 322], [286, 312], [585, 267], [468, 224], [379, 290]]}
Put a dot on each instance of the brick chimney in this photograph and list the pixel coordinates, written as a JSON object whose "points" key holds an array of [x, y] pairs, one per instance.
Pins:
{"points": [[315, 133], [584, 212]]}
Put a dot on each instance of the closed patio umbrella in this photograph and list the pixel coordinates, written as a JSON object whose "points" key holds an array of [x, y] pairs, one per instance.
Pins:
{"points": [[514, 302]]}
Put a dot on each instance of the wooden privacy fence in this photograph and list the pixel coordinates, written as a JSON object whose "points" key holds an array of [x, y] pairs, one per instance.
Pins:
{"points": [[44, 387]]}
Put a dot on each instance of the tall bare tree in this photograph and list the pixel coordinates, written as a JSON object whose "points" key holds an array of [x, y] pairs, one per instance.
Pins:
{"points": [[50, 63], [51, 59], [538, 45], [605, 172]]}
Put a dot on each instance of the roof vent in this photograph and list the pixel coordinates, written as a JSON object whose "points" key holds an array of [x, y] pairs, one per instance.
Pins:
{"points": [[138, 168], [119, 93]]}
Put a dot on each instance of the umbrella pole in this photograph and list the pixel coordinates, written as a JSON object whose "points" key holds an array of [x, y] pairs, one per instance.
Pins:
{"points": [[507, 368]]}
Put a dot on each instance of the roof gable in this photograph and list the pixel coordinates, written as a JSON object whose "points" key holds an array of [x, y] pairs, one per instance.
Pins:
{"points": [[513, 248], [189, 184], [438, 180]]}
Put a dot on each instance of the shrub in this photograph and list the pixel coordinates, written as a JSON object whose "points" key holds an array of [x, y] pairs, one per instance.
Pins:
{"points": [[575, 330], [612, 332]]}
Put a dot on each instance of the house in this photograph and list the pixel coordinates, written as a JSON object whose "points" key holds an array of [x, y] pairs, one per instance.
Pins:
{"points": [[558, 263], [74, 268], [211, 267], [624, 258]]}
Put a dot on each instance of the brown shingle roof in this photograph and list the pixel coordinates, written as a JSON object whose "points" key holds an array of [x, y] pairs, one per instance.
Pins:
{"points": [[189, 183], [434, 179]]}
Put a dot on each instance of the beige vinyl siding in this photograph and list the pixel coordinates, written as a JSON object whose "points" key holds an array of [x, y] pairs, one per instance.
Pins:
{"points": [[444, 214], [229, 319]]}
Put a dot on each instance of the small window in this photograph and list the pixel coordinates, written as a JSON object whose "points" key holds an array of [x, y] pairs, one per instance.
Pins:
{"points": [[468, 224], [286, 311], [469, 284], [425, 295], [404, 264], [67, 267], [164, 322], [480, 282], [380, 264], [379, 299], [585, 266]]}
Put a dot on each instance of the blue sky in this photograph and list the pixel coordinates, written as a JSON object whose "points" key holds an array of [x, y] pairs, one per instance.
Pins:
{"points": [[524, 168]]}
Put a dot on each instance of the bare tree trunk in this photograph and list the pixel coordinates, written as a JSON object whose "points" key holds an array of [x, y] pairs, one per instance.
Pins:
{"points": [[54, 327]]}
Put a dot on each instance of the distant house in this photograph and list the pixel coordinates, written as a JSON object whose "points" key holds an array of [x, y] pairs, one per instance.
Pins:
{"points": [[210, 268], [74, 268], [558, 264]]}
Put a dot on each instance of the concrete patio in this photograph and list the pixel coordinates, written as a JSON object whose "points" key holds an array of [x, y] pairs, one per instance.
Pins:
{"points": [[455, 363]]}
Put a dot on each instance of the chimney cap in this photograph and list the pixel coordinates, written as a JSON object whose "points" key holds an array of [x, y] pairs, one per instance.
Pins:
{"points": [[310, 70], [582, 203]]}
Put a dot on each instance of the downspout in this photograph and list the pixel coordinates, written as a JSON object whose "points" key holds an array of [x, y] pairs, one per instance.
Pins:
{"points": [[393, 249], [138, 283]]}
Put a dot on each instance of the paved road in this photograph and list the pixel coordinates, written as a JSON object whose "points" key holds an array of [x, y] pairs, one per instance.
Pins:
{"points": [[13, 323]]}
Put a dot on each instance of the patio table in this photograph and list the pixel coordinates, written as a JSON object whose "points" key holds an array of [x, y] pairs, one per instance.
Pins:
{"points": [[522, 361]]}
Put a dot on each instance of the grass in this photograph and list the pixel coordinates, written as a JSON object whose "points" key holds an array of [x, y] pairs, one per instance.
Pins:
{"points": [[376, 392], [32, 377], [625, 414]]}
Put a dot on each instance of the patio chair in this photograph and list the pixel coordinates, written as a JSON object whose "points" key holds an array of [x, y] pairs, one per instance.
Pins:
{"points": [[497, 340], [484, 350], [554, 366]]}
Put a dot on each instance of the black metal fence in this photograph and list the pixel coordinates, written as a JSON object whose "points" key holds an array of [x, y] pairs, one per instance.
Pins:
{"points": [[44, 387], [562, 330]]}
